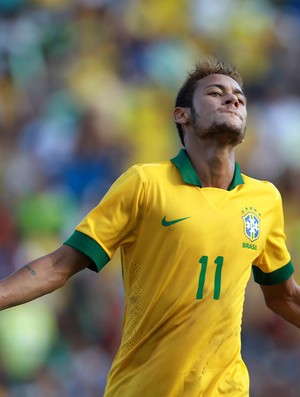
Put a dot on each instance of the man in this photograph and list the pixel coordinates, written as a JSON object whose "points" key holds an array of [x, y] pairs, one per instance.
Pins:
{"points": [[190, 231]]}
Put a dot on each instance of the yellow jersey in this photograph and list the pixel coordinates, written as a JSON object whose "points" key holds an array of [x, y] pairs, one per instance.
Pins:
{"points": [[187, 253]]}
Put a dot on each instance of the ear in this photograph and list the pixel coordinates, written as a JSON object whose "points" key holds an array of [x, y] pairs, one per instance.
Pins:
{"points": [[181, 115]]}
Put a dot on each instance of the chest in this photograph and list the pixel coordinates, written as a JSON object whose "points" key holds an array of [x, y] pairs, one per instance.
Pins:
{"points": [[211, 219]]}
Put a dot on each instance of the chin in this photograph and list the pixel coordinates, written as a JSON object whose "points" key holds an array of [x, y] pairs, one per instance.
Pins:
{"points": [[226, 133]]}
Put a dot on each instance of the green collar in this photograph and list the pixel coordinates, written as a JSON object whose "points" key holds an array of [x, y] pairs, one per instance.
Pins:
{"points": [[190, 176]]}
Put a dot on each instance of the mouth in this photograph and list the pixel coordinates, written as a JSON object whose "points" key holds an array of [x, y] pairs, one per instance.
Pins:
{"points": [[231, 111]]}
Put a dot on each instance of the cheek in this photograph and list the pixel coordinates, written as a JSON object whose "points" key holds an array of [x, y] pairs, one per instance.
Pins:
{"points": [[245, 121], [244, 114], [205, 114]]}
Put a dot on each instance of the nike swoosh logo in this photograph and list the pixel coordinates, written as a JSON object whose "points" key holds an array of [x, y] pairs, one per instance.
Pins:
{"points": [[164, 221]]}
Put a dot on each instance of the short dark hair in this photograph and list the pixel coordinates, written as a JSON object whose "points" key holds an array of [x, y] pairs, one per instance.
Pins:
{"points": [[205, 67]]}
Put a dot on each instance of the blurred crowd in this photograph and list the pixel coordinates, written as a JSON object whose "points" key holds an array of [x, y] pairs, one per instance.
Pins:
{"points": [[86, 89]]}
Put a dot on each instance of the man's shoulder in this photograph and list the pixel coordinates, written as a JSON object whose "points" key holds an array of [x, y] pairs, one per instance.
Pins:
{"points": [[152, 170], [153, 165], [259, 184]]}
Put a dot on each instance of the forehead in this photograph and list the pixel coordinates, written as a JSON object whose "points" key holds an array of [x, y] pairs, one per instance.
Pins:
{"points": [[218, 80]]}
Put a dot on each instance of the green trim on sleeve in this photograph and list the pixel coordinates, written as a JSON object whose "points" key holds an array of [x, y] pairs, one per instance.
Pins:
{"points": [[275, 277], [89, 247]]}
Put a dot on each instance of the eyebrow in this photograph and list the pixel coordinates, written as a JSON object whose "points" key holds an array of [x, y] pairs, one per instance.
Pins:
{"points": [[222, 87]]}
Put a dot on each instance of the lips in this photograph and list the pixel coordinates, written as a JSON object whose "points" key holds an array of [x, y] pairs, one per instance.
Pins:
{"points": [[231, 111]]}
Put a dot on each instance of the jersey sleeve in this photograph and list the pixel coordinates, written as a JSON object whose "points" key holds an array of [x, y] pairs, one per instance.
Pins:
{"points": [[113, 222], [274, 264]]}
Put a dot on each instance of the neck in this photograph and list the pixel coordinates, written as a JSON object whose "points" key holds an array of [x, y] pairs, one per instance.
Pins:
{"points": [[214, 165]]}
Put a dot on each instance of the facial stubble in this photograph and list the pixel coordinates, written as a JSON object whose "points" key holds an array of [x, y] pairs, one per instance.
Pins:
{"points": [[223, 133]]}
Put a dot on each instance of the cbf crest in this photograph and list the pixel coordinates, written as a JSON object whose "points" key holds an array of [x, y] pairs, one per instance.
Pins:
{"points": [[251, 224]]}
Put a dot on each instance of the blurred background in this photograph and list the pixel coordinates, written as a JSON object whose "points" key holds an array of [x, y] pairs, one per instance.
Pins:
{"points": [[87, 89]]}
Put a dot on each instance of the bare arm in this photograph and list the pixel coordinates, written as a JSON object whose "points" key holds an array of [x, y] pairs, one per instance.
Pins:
{"points": [[41, 276], [284, 300]]}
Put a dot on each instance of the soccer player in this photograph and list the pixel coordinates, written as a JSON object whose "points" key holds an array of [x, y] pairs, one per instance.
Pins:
{"points": [[191, 230]]}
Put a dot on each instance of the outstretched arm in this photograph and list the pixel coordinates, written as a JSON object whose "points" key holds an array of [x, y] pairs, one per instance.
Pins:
{"points": [[284, 300], [41, 276]]}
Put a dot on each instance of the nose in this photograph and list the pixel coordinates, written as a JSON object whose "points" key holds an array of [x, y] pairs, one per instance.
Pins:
{"points": [[232, 99]]}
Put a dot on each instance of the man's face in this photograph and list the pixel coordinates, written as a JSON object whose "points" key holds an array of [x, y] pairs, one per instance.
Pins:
{"points": [[219, 110]]}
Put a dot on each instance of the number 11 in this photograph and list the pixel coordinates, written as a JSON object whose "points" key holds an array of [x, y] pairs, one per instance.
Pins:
{"points": [[217, 284]]}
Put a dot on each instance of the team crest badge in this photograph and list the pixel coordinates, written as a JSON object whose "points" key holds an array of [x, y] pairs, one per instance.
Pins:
{"points": [[251, 226]]}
